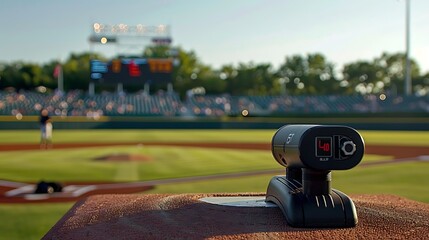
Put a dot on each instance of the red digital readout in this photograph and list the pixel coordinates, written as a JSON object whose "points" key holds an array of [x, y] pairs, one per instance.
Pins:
{"points": [[323, 147], [134, 69]]}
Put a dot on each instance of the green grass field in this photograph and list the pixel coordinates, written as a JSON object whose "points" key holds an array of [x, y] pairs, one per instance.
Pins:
{"points": [[32, 221]]}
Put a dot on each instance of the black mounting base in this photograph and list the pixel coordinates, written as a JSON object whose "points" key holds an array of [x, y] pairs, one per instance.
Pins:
{"points": [[334, 209]]}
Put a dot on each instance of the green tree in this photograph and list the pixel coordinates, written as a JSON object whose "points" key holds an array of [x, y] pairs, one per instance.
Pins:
{"points": [[321, 75], [210, 80], [383, 74], [292, 71], [392, 68], [308, 75], [311, 74], [249, 79], [190, 72], [228, 74], [421, 85], [157, 52], [263, 79], [48, 71], [361, 77], [22, 75], [10, 75]]}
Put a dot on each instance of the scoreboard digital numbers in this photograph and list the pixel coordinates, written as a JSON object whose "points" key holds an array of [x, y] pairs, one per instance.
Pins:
{"points": [[132, 71]]}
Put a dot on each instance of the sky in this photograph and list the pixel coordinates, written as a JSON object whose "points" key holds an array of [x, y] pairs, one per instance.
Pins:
{"points": [[220, 31]]}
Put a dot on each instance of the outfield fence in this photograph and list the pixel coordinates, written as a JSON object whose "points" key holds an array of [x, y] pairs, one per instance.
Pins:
{"points": [[363, 123]]}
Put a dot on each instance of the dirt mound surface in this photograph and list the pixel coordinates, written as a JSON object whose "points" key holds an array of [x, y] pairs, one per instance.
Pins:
{"points": [[185, 217], [123, 157]]}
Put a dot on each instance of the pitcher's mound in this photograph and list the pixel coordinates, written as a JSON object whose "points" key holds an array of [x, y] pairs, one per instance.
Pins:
{"points": [[123, 157], [184, 216]]}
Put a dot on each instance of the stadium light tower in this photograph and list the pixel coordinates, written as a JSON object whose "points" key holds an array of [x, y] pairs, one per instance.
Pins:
{"points": [[408, 85], [129, 35]]}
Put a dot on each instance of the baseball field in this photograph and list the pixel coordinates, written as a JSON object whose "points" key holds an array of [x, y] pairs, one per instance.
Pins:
{"points": [[178, 161]]}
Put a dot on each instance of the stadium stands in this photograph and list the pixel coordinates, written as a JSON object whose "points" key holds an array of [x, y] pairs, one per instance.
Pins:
{"points": [[283, 105], [78, 103], [75, 103]]}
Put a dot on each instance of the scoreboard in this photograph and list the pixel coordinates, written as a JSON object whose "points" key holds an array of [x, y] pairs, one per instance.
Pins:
{"points": [[136, 71]]}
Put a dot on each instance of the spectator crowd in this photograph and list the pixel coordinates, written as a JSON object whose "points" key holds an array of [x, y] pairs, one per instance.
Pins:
{"points": [[78, 103]]}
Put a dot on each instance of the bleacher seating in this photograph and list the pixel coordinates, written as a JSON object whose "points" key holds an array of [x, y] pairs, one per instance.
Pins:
{"points": [[75, 103], [78, 103]]}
